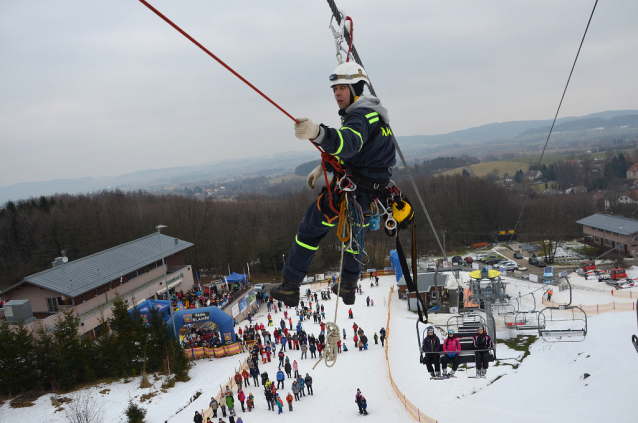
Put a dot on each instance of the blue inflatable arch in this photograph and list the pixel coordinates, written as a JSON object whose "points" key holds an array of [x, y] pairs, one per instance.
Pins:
{"points": [[192, 315]]}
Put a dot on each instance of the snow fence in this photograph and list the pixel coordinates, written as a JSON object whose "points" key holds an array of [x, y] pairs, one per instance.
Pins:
{"points": [[413, 410], [596, 308], [624, 294]]}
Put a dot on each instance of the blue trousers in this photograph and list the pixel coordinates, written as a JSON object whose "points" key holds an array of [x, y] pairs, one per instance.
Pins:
{"points": [[315, 225]]}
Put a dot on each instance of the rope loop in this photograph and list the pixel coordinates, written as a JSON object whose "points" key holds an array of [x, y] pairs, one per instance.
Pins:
{"points": [[331, 350]]}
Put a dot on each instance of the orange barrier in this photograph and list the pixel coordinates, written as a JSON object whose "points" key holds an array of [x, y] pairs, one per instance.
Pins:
{"points": [[597, 308], [232, 385], [624, 294], [224, 350], [410, 408]]}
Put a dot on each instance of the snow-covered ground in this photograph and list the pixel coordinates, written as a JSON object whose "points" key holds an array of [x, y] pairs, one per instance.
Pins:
{"points": [[547, 386]]}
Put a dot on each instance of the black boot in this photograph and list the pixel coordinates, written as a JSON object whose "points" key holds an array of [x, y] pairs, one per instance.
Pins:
{"points": [[288, 292], [346, 293]]}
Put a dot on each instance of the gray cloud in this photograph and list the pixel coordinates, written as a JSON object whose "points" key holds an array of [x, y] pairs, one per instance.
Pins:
{"points": [[103, 88]]}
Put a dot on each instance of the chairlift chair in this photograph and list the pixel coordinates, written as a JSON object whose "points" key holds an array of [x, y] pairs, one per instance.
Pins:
{"points": [[561, 328]]}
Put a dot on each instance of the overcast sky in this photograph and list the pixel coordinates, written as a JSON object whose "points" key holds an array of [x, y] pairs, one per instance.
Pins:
{"points": [[100, 88]]}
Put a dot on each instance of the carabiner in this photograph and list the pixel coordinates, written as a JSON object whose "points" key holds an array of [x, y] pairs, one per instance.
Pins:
{"points": [[350, 187]]}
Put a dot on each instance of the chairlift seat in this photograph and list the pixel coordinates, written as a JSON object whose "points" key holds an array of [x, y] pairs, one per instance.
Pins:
{"points": [[562, 332]]}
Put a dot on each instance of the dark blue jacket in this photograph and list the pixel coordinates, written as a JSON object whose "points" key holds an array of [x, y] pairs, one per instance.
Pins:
{"points": [[431, 344], [353, 144]]}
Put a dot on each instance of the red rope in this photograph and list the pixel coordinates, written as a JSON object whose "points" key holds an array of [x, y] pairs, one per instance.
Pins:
{"points": [[325, 157], [181, 31]]}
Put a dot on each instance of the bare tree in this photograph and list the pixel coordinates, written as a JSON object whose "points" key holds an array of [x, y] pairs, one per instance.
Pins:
{"points": [[83, 408]]}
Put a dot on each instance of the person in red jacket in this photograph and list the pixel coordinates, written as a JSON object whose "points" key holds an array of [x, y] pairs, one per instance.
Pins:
{"points": [[246, 376], [451, 348]]}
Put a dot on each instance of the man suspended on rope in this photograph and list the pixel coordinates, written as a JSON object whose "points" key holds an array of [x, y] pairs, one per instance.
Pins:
{"points": [[363, 151]]}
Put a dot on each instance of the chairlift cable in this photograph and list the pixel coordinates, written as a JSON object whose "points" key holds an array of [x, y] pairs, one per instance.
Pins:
{"points": [[556, 115]]}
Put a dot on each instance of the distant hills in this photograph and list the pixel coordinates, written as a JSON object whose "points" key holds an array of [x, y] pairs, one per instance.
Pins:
{"points": [[609, 123], [493, 132]]}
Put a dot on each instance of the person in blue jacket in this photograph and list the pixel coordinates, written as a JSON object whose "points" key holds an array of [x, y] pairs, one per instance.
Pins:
{"points": [[364, 148], [431, 347], [280, 379]]}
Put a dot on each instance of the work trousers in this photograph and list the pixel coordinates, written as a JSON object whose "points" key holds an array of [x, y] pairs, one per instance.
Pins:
{"points": [[482, 359], [432, 359], [282, 384], [315, 225], [446, 359]]}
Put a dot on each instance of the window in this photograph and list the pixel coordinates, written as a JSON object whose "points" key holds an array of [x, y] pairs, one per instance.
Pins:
{"points": [[52, 305], [97, 293], [83, 298], [137, 273], [110, 286]]}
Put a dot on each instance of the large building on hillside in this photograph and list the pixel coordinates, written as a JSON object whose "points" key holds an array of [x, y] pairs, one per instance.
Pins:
{"points": [[133, 271], [605, 231]]}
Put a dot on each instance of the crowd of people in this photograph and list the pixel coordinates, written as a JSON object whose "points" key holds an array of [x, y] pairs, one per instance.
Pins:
{"points": [[275, 342]]}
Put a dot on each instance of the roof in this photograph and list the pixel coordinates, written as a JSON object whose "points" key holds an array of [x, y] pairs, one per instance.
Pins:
{"points": [[621, 225], [633, 168], [79, 276]]}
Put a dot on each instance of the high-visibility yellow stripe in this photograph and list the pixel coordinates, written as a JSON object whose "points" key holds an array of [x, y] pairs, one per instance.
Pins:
{"points": [[360, 137], [372, 114], [351, 251], [310, 247], [376, 119], [327, 224], [341, 146]]}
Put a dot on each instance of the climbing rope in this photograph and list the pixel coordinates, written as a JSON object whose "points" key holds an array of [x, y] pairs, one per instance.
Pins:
{"points": [[325, 157], [333, 338]]}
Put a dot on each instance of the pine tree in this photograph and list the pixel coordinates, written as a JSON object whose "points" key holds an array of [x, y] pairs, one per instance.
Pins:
{"points": [[71, 354], [45, 359], [16, 359], [134, 413]]}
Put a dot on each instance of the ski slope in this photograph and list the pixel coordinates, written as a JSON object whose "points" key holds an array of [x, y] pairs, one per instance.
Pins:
{"points": [[548, 385]]}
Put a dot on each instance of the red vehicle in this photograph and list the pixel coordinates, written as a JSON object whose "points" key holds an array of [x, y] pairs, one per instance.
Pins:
{"points": [[589, 265], [617, 274], [469, 260]]}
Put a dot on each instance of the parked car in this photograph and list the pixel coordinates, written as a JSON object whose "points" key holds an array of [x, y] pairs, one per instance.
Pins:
{"points": [[508, 265], [469, 260], [536, 262], [493, 262], [481, 256], [260, 287], [518, 256], [490, 257]]}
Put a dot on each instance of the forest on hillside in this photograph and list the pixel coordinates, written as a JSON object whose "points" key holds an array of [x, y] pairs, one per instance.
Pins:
{"points": [[259, 230]]}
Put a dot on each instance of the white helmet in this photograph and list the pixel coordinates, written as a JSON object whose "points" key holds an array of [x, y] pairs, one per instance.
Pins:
{"points": [[348, 73]]}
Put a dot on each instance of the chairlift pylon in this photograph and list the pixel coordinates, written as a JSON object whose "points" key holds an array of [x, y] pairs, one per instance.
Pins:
{"points": [[559, 328]]}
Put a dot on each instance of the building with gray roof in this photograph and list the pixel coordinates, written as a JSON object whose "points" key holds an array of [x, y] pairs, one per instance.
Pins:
{"points": [[605, 231], [132, 270]]}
